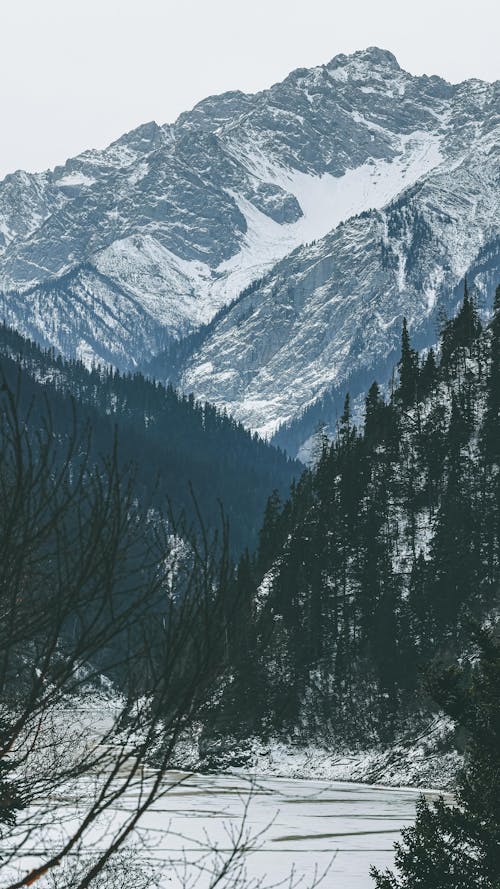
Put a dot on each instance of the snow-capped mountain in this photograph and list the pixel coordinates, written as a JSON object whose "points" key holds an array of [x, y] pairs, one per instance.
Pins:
{"points": [[355, 190]]}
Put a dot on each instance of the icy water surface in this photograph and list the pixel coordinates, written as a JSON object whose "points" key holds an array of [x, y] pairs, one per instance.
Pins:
{"points": [[302, 824]]}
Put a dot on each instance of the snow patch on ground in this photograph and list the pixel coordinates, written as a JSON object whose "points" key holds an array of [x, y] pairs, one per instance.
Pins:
{"points": [[75, 179]]}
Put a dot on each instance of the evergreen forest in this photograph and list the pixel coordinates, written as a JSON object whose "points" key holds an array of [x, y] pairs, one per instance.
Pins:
{"points": [[384, 555], [186, 457]]}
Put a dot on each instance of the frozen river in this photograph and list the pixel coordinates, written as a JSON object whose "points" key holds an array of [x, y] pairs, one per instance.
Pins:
{"points": [[302, 824]]}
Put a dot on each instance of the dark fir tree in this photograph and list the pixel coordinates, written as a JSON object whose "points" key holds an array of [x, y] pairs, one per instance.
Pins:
{"points": [[270, 535], [458, 846], [491, 426], [428, 375], [462, 331], [408, 371], [10, 797], [375, 419], [455, 546]]}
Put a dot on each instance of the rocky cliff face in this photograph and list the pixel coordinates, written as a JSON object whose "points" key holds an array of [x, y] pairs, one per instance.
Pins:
{"points": [[355, 191]]}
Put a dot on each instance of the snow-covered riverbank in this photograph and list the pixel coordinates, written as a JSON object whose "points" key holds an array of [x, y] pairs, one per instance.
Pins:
{"points": [[421, 760]]}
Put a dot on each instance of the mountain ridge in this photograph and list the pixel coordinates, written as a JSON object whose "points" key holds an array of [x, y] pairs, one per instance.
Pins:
{"points": [[178, 220]]}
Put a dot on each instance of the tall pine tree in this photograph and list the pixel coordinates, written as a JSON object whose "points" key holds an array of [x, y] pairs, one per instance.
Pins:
{"points": [[458, 846], [408, 371]]}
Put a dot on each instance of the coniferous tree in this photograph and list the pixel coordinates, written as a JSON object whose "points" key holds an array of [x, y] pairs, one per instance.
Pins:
{"points": [[458, 846], [421, 606], [408, 371], [10, 798], [320, 443], [462, 331], [270, 533], [346, 430], [375, 409], [428, 375], [454, 544], [491, 427], [245, 704]]}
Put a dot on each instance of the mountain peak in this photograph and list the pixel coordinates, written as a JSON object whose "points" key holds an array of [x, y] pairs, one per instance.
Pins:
{"points": [[144, 136], [371, 56]]}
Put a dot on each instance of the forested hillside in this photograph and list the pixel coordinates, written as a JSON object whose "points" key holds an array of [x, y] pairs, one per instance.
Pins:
{"points": [[383, 553], [179, 448]]}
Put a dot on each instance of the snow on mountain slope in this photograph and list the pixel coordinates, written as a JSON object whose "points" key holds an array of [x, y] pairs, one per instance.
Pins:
{"points": [[331, 312], [175, 221], [325, 201], [84, 315]]}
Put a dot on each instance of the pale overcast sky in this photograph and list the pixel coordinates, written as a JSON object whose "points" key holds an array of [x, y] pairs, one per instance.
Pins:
{"points": [[76, 74]]}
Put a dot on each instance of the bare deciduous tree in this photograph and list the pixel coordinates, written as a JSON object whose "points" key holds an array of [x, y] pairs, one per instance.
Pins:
{"points": [[111, 640]]}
